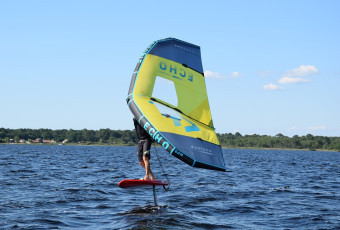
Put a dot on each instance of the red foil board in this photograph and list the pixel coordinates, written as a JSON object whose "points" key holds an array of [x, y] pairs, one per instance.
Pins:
{"points": [[135, 182]]}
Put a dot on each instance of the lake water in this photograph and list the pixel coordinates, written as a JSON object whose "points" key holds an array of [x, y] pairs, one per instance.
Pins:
{"points": [[75, 187]]}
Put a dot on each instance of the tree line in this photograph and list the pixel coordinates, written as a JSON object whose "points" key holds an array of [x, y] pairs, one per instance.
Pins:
{"points": [[84, 136], [279, 141], [128, 137]]}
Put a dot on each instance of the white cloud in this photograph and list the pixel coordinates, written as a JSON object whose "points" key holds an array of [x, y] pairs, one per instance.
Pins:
{"points": [[272, 86], [317, 127], [292, 128], [303, 70], [210, 74], [235, 74], [297, 75], [289, 80]]}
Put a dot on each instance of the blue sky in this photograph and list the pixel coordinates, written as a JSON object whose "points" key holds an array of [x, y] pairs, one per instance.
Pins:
{"points": [[271, 66]]}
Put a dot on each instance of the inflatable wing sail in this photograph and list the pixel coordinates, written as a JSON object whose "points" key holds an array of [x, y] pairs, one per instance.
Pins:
{"points": [[182, 124]]}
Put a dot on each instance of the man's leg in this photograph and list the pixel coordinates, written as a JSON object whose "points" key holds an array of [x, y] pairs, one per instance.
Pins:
{"points": [[142, 164], [148, 172], [140, 154], [146, 159]]}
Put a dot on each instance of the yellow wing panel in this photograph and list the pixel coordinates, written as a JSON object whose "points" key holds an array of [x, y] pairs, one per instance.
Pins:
{"points": [[189, 84], [182, 125]]}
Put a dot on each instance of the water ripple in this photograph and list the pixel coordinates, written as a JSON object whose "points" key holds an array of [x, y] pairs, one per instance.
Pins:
{"points": [[65, 187]]}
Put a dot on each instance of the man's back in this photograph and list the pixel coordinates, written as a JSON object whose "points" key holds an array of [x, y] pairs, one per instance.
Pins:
{"points": [[141, 133]]}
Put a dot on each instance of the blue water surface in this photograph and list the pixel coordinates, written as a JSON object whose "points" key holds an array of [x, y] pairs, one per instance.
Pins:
{"points": [[75, 187]]}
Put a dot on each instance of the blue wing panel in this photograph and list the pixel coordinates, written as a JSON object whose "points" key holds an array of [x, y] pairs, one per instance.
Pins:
{"points": [[200, 151], [179, 51]]}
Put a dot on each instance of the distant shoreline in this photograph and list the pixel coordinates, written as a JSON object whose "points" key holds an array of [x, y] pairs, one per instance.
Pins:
{"points": [[135, 145], [108, 137]]}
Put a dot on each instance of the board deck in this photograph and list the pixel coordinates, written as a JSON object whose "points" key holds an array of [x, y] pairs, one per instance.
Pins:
{"points": [[136, 182]]}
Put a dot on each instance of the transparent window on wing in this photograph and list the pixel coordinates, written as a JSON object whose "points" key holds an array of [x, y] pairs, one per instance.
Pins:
{"points": [[165, 90]]}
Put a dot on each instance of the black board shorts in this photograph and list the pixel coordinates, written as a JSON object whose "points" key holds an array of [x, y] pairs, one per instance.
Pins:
{"points": [[143, 150]]}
